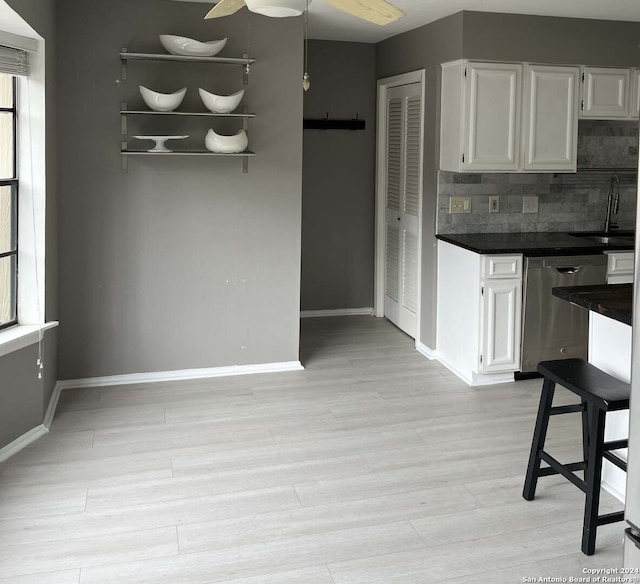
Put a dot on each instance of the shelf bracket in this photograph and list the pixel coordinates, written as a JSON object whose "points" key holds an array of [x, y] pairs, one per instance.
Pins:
{"points": [[123, 66], [124, 159], [245, 127], [246, 70], [123, 118]]}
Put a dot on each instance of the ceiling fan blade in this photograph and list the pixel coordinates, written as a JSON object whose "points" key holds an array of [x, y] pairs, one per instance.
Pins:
{"points": [[376, 11], [225, 8]]}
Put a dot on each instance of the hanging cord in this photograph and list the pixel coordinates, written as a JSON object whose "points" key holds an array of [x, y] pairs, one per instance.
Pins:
{"points": [[306, 80], [40, 361]]}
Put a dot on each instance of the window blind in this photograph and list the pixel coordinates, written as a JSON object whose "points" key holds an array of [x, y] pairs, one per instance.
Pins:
{"points": [[14, 61]]}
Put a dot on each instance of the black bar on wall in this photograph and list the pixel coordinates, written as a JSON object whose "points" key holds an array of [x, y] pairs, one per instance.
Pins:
{"points": [[327, 124]]}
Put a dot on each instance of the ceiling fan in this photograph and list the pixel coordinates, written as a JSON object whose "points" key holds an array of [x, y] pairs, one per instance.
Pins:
{"points": [[377, 11]]}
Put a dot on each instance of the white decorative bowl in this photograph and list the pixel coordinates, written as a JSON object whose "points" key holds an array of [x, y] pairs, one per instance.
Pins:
{"points": [[162, 102], [221, 104], [226, 144], [179, 45]]}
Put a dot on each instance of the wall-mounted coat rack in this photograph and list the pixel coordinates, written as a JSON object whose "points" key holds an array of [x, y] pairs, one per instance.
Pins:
{"points": [[331, 124]]}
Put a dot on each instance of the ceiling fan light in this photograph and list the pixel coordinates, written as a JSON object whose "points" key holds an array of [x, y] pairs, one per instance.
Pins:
{"points": [[277, 8]]}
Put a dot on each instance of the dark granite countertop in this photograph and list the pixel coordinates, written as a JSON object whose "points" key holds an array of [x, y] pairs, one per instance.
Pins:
{"points": [[531, 244], [612, 300]]}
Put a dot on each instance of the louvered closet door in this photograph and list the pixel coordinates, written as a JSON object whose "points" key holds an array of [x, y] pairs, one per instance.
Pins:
{"points": [[403, 187]]}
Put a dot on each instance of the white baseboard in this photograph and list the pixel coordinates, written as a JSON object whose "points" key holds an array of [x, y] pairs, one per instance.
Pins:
{"points": [[180, 375], [426, 351], [368, 311], [53, 404], [22, 442], [617, 493], [474, 379], [468, 380]]}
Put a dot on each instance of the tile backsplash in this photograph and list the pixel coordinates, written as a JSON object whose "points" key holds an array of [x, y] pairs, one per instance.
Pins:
{"points": [[566, 202]]}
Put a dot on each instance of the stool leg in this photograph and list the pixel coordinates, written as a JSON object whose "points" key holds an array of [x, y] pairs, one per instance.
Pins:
{"points": [[593, 478], [585, 434], [539, 436]]}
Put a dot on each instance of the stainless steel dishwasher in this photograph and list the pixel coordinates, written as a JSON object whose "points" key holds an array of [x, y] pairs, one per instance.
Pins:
{"points": [[553, 328]]}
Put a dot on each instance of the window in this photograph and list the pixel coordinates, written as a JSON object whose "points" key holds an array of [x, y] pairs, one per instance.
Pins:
{"points": [[8, 202]]}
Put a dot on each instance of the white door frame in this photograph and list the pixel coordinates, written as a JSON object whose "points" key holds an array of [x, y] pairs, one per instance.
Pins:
{"points": [[384, 85]]}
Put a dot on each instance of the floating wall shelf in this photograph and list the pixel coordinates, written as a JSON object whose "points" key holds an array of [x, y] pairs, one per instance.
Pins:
{"points": [[245, 61], [125, 153]]}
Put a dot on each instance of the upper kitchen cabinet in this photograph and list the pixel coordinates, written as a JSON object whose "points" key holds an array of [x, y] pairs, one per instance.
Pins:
{"points": [[635, 98], [605, 93], [550, 118], [480, 129]]}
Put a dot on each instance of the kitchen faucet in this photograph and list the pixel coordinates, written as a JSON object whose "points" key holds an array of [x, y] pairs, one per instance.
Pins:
{"points": [[612, 204]]}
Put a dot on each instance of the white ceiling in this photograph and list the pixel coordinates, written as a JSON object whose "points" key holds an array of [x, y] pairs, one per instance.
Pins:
{"points": [[327, 22]]}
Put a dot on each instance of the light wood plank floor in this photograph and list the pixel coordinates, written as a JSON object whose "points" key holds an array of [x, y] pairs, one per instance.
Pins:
{"points": [[374, 465]]}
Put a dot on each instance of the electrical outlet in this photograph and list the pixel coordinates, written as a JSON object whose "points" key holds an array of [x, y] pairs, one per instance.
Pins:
{"points": [[529, 204], [494, 204], [460, 205]]}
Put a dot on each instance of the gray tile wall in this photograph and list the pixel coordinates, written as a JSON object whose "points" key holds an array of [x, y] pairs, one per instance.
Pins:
{"points": [[566, 202]]}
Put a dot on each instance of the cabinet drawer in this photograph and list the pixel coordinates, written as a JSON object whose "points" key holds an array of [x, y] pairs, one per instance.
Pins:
{"points": [[502, 266], [620, 263]]}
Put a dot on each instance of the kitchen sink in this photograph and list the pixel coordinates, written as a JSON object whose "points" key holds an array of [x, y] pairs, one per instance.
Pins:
{"points": [[626, 238]]}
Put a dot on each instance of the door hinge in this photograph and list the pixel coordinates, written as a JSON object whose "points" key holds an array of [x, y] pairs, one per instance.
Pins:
{"points": [[480, 358], [583, 78], [482, 291], [582, 105], [463, 158], [465, 71]]}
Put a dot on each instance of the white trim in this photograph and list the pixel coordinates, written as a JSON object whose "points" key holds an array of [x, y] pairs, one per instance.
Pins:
{"points": [[426, 351], [22, 442], [53, 404], [21, 336], [180, 375], [337, 312], [476, 380], [607, 486], [384, 85], [16, 41]]}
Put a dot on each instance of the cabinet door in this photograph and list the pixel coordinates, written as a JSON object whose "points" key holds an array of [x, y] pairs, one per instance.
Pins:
{"points": [[492, 116], [550, 123], [501, 325], [605, 93], [635, 99]]}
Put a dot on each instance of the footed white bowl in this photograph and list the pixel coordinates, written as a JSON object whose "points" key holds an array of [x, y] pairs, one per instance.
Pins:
{"points": [[221, 104], [162, 102], [226, 144], [160, 142], [179, 45]]}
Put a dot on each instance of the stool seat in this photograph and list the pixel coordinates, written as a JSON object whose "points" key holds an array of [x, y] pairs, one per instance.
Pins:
{"points": [[588, 382], [599, 393]]}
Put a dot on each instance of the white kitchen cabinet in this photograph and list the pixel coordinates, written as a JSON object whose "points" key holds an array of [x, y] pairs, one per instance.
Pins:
{"points": [[480, 123], [635, 96], [479, 312], [550, 118], [605, 93], [620, 267], [500, 314]]}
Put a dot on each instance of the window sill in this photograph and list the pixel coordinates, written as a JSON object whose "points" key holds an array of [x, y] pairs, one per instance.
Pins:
{"points": [[21, 336]]}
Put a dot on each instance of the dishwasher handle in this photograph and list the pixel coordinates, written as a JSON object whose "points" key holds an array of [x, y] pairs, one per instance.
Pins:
{"points": [[568, 269]]}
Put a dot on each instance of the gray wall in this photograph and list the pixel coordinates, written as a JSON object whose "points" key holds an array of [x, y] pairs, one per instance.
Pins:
{"points": [[425, 48], [184, 262], [23, 397], [543, 39], [338, 185]]}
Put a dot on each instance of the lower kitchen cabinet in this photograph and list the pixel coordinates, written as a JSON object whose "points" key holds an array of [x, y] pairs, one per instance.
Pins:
{"points": [[479, 314], [620, 267], [500, 326]]}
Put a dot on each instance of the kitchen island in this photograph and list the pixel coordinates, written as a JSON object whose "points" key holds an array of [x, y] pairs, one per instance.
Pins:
{"points": [[610, 313]]}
